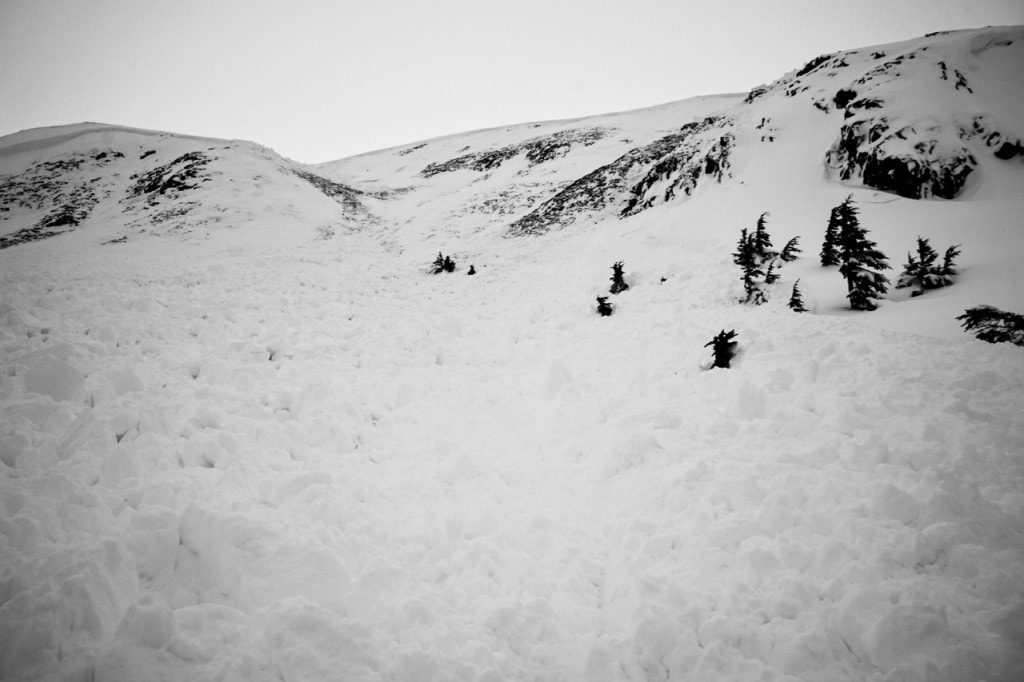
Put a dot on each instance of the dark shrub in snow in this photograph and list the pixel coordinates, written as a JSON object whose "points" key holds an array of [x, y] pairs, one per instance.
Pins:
{"points": [[604, 308], [924, 272], [443, 264]]}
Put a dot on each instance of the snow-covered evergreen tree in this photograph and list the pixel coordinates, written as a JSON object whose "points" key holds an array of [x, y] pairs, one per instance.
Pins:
{"points": [[860, 261], [618, 283], [796, 299], [923, 271], [723, 347], [830, 247]]}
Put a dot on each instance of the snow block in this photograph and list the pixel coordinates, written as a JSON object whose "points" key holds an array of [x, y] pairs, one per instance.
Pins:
{"points": [[55, 378], [153, 538]]}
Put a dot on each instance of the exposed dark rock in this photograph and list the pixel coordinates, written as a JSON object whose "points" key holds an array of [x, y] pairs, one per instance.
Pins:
{"points": [[844, 97], [906, 162], [698, 149], [813, 64], [54, 186], [536, 150], [343, 194], [184, 173]]}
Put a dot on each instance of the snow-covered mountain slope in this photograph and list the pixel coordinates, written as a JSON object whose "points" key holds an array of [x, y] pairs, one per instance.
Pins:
{"points": [[245, 436], [115, 183]]}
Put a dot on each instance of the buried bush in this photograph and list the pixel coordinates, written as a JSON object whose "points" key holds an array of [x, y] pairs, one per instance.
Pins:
{"points": [[724, 348], [994, 325], [618, 283], [604, 308]]}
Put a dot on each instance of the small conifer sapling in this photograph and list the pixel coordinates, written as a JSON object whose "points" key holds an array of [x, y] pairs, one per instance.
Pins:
{"points": [[618, 283], [763, 241], [790, 250], [472, 270], [724, 348], [438, 266], [604, 308], [796, 299]]}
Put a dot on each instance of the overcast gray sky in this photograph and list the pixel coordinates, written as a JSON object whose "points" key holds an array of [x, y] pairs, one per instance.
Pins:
{"points": [[319, 80]]}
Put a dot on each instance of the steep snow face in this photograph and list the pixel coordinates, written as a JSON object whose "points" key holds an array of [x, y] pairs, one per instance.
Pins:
{"points": [[245, 436]]}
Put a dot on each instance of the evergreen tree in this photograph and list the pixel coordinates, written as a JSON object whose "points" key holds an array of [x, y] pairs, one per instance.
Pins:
{"points": [[443, 264], [753, 275], [830, 247], [771, 276], [763, 241], [994, 325], [604, 308], [790, 250], [618, 283], [724, 348], [472, 270], [796, 299], [744, 253], [438, 264], [860, 260]]}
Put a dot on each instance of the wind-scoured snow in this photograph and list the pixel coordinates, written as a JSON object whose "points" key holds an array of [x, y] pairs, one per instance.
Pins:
{"points": [[256, 440]]}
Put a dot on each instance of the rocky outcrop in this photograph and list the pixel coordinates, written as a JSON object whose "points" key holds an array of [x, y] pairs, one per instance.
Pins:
{"points": [[536, 151], [58, 187], [913, 162], [673, 164]]}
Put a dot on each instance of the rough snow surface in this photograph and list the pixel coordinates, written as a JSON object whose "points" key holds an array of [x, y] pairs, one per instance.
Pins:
{"points": [[327, 464], [257, 441]]}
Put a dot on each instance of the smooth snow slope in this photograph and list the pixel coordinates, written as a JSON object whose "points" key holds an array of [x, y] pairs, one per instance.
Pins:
{"points": [[253, 449]]}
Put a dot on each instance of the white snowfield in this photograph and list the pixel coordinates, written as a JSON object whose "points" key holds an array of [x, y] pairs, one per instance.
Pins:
{"points": [[260, 442]]}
